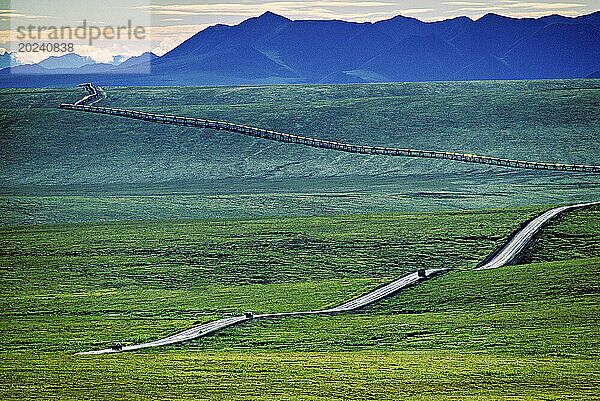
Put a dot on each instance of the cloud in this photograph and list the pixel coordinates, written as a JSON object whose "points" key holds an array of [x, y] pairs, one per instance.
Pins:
{"points": [[165, 38], [5, 36], [319, 8], [537, 14], [516, 8], [463, 3], [88, 22], [415, 10], [359, 11], [477, 9], [543, 6], [158, 33], [165, 46], [237, 7], [14, 14]]}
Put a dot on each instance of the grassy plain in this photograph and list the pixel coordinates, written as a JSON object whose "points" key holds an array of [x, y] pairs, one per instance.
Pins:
{"points": [[359, 375], [64, 166], [157, 270], [117, 230], [526, 331]]}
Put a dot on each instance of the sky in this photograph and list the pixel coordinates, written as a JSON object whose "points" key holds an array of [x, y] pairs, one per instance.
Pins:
{"points": [[167, 23]]}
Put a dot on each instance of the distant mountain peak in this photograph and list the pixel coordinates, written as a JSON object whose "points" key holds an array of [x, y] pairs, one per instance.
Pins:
{"points": [[272, 15], [460, 18], [69, 60], [267, 18], [402, 18], [142, 58], [494, 17]]}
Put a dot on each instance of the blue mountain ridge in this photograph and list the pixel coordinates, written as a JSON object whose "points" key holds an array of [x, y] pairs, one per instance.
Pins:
{"points": [[274, 49]]}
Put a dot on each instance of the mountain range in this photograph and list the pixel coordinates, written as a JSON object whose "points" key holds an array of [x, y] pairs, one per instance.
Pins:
{"points": [[72, 63], [274, 49]]}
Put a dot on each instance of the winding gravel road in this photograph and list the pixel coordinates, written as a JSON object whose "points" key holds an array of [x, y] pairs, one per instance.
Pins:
{"points": [[514, 247], [217, 325], [519, 242]]}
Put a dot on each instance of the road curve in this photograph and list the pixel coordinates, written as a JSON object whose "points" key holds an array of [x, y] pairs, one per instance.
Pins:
{"points": [[217, 325], [518, 243], [94, 96], [515, 246]]}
